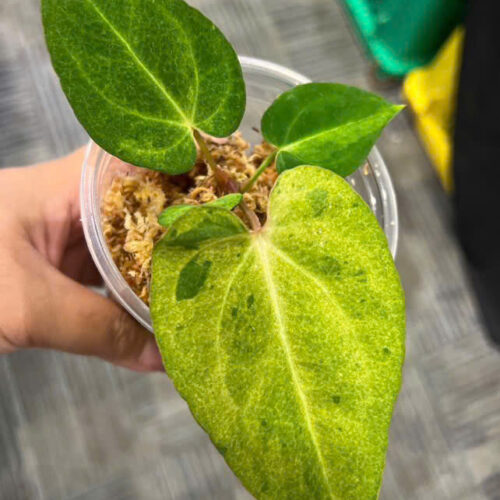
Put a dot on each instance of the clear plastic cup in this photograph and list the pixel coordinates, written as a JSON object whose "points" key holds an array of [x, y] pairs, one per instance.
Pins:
{"points": [[264, 82]]}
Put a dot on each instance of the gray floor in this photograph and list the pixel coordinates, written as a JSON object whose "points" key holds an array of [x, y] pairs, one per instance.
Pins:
{"points": [[80, 429]]}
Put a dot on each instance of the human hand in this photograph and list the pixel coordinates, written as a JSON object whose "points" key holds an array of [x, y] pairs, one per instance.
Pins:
{"points": [[44, 267]]}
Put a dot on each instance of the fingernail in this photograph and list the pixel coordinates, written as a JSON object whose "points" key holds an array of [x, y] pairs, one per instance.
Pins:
{"points": [[150, 358]]}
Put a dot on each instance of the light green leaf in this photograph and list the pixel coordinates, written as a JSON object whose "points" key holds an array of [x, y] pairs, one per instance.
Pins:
{"points": [[141, 74], [326, 124], [172, 213], [287, 343]]}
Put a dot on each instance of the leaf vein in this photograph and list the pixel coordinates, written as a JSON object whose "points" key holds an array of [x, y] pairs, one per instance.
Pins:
{"points": [[294, 122], [312, 137], [169, 148], [195, 65], [221, 104], [261, 251], [282, 255], [145, 69], [114, 103], [224, 302]]}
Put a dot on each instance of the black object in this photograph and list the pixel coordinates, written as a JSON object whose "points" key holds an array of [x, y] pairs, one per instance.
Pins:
{"points": [[477, 157]]}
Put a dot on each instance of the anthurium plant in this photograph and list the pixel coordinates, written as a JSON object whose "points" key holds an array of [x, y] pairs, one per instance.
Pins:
{"points": [[287, 340]]}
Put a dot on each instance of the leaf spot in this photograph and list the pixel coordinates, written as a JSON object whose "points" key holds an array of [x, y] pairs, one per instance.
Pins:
{"points": [[336, 399], [329, 265], [318, 199], [191, 279], [250, 301]]}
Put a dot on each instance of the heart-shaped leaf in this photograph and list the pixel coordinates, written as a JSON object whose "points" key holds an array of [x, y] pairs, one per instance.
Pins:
{"points": [[172, 213], [142, 74], [287, 343], [326, 124]]}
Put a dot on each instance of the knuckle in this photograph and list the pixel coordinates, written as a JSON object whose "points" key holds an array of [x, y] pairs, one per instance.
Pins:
{"points": [[15, 324], [6, 344], [15, 314], [125, 339]]}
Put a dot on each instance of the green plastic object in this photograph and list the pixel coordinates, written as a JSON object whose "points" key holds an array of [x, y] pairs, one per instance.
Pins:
{"points": [[401, 35]]}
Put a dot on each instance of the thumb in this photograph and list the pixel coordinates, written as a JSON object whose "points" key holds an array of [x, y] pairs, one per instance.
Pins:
{"points": [[69, 317]]}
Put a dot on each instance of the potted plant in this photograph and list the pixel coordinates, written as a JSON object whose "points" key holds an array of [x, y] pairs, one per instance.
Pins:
{"points": [[283, 329]]}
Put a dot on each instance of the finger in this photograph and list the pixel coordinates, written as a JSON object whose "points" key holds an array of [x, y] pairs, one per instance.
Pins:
{"points": [[78, 265], [69, 317], [53, 218]]}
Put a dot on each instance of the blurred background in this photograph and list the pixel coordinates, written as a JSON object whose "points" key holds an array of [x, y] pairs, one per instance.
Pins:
{"points": [[75, 428]]}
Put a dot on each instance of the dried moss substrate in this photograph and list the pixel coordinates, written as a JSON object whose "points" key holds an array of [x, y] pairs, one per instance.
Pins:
{"points": [[132, 204]]}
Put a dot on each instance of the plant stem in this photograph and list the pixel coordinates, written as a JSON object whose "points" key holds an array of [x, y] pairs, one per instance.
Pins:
{"points": [[251, 216], [207, 156], [224, 181], [268, 161]]}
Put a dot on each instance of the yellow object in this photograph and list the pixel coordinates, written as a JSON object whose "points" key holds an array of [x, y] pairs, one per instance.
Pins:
{"points": [[431, 92]]}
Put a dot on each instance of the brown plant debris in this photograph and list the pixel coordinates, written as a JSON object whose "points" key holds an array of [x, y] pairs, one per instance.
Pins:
{"points": [[133, 202]]}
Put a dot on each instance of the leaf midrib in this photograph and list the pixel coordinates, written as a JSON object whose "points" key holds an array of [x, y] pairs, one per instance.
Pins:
{"points": [[99, 92], [290, 147], [260, 246], [143, 67]]}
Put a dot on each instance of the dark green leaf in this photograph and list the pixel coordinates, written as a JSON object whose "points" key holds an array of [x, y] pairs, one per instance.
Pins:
{"points": [[172, 213], [287, 343], [326, 124], [141, 74]]}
